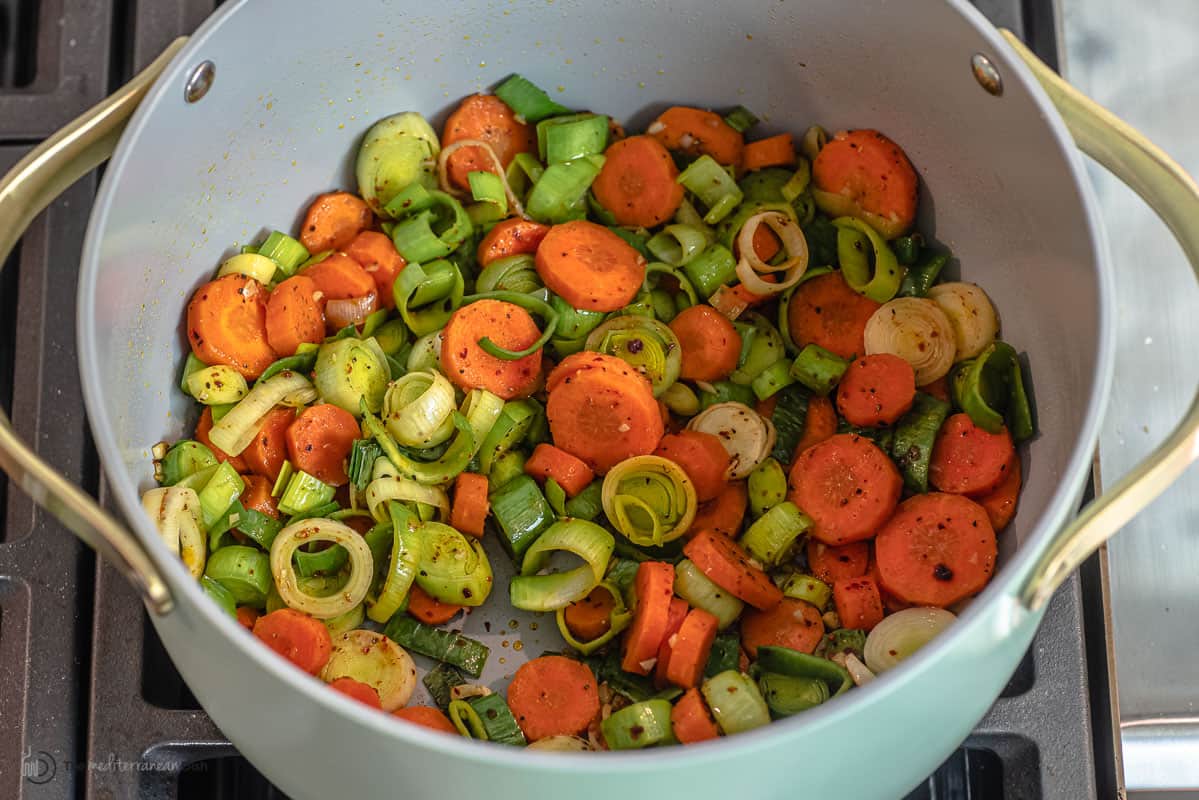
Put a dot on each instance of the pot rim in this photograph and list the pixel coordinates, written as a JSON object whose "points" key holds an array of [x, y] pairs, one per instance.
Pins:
{"points": [[997, 608]]}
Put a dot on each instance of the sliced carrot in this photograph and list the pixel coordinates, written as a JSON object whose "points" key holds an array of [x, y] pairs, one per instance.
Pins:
{"points": [[732, 301], [847, 485], [299, 638], [765, 408], [725, 513], [725, 564], [427, 717], [293, 315], [702, 457], [376, 254], [488, 119], [203, 427], [268, 450], [637, 182], [825, 311], [869, 173], [775, 151], [428, 609], [511, 237], [471, 506], [340, 277], [858, 603], [692, 645], [819, 424], [831, 564], [654, 587], [226, 324], [691, 720], [319, 442], [604, 418], [1000, 504], [695, 132], [586, 360], [553, 696], [891, 603], [674, 621], [938, 389], [469, 366], [591, 617], [589, 266], [333, 220], [968, 460], [257, 495], [570, 472], [938, 549], [709, 342], [792, 623], [766, 246], [876, 390], [357, 690], [247, 616]]}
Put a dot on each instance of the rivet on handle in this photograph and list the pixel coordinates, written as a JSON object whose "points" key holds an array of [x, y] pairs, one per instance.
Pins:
{"points": [[986, 74], [199, 81]]}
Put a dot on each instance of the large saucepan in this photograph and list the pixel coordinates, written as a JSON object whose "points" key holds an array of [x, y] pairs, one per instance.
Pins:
{"points": [[199, 167]]}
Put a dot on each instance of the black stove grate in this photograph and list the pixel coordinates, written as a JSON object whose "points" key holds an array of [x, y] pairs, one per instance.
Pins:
{"points": [[91, 703]]}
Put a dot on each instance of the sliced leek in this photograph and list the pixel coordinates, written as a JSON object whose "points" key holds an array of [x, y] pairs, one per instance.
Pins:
{"points": [[361, 567], [216, 385], [418, 409], [618, 619], [453, 568], [531, 591], [901, 634], [649, 499], [238, 428], [867, 263], [970, 312], [746, 436], [351, 371], [645, 344], [750, 268], [916, 330], [699, 592], [175, 511], [371, 658], [386, 488], [251, 265], [735, 702]]}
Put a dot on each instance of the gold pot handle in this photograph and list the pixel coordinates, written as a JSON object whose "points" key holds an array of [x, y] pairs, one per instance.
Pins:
{"points": [[1173, 195], [29, 187]]}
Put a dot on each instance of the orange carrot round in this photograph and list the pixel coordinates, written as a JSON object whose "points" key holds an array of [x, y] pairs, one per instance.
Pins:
{"points": [[376, 254], [469, 366], [709, 342], [774, 151], [293, 315], [333, 220], [257, 495], [968, 460], [674, 621], [695, 132], [858, 603], [589, 266], [553, 696], [247, 616], [869, 173], [637, 182], [847, 485], [691, 647], [604, 418], [831, 564], [1000, 504], [511, 237], [819, 424], [725, 564], [702, 457], [471, 506], [570, 472], [357, 690], [876, 390], [203, 427], [792, 623], [428, 609], [299, 638], [268, 450], [488, 119], [691, 720], [654, 587], [319, 442], [226, 324], [427, 717], [725, 513], [586, 360], [825, 311], [938, 549], [591, 617], [340, 277]]}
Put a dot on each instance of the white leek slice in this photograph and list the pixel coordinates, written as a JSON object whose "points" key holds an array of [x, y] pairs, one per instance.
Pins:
{"points": [[371, 658], [252, 265], [975, 324], [419, 409], [901, 634], [443, 174], [384, 489], [560, 744], [742, 431], [238, 428], [916, 330], [175, 511], [795, 245], [361, 566], [860, 673]]}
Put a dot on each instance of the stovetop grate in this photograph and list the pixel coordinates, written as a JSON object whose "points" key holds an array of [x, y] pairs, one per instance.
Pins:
{"points": [[102, 714]]}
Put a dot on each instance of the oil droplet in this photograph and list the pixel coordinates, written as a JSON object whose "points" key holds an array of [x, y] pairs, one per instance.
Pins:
{"points": [[502, 659], [513, 624], [532, 626], [518, 645], [504, 643]]}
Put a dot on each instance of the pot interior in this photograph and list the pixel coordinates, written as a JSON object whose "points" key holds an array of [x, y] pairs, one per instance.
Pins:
{"points": [[296, 89]]}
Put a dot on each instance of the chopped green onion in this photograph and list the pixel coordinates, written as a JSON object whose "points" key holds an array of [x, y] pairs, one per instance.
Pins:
{"points": [[524, 171], [818, 369], [285, 473], [398, 151], [573, 323], [504, 468], [466, 720], [508, 431], [531, 591], [700, 592], [244, 571], [440, 681], [488, 188], [798, 183], [468, 655], [527, 100], [186, 457], [767, 487], [498, 723], [772, 380], [677, 244], [287, 253], [639, 725], [761, 347], [915, 434], [741, 119], [588, 503], [522, 513], [305, 492], [735, 702], [712, 186], [363, 453], [772, 537], [711, 269], [555, 495], [564, 139], [561, 193], [804, 587], [867, 263], [258, 527]]}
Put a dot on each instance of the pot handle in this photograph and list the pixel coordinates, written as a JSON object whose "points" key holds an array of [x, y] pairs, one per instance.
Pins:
{"points": [[1173, 195], [37, 179]]}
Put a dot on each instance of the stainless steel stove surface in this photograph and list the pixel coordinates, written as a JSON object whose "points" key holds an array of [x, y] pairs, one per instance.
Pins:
{"points": [[90, 705]]}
